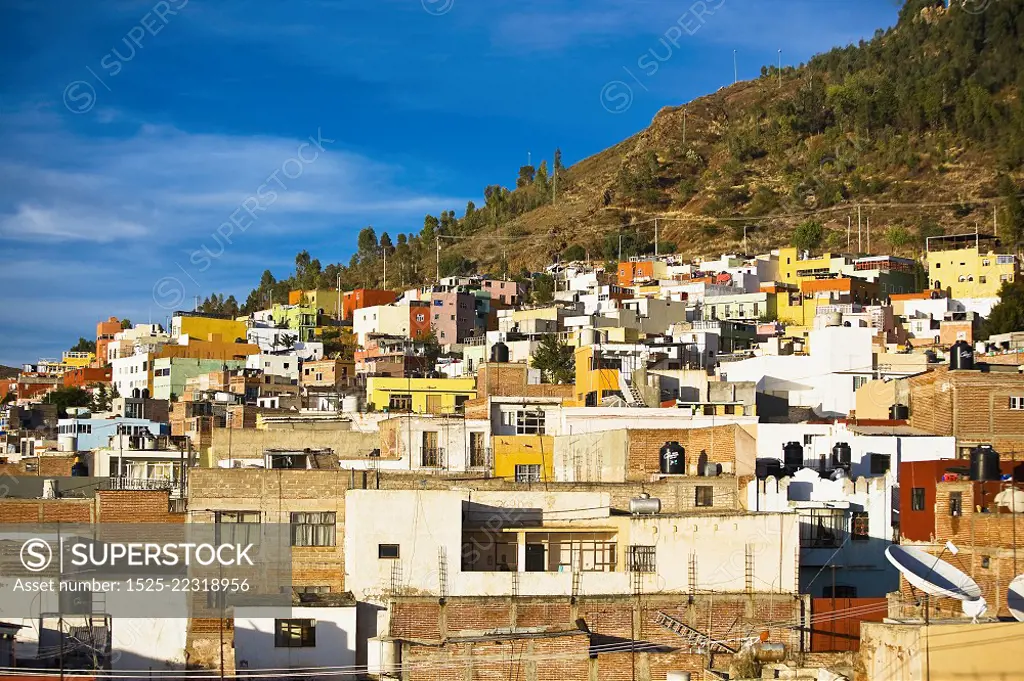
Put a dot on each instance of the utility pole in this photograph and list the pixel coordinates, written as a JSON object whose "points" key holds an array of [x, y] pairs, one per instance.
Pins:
{"points": [[859, 249], [385, 267], [735, 70], [554, 182], [684, 126], [655, 237], [849, 221], [338, 310], [869, 233], [780, 69], [620, 246], [437, 239], [744, 239]]}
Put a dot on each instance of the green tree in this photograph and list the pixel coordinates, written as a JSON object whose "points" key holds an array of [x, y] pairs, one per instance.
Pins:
{"points": [[543, 288], [808, 235], [574, 252], [67, 397], [898, 237], [100, 397], [1008, 313], [1013, 210], [367, 242], [385, 243], [126, 323], [84, 345], [555, 359]]}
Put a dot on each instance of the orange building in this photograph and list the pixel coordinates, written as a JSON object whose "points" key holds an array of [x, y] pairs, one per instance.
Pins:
{"points": [[844, 291], [8, 386], [631, 272], [365, 297], [104, 335], [419, 319], [86, 376]]}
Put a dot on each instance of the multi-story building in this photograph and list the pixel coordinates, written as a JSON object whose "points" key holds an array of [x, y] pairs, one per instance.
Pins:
{"points": [[957, 264], [170, 374], [504, 291], [420, 395], [746, 307], [453, 316], [364, 297], [637, 271], [105, 332], [335, 374], [327, 300], [205, 326]]}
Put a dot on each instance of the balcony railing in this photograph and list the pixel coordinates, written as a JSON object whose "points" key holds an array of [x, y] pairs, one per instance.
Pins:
{"points": [[480, 457], [432, 457]]}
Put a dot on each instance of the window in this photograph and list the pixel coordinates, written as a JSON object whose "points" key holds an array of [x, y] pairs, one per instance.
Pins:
{"points": [[703, 495], [879, 464], [295, 633], [1017, 403], [986, 262], [527, 472], [314, 529], [917, 499], [985, 562], [311, 589], [400, 402], [956, 503], [821, 528], [387, 551], [530, 422], [982, 280], [808, 439], [237, 527], [858, 381], [859, 526], [641, 559]]}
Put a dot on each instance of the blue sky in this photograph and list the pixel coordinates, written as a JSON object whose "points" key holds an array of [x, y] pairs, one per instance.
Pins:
{"points": [[135, 134]]}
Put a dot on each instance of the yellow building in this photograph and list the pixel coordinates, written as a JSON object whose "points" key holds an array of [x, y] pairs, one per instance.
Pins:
{"points": [[420, 395], [77, 360], [524, 458], [792, 270], [326, 299], [968, 272], [595, 379], [196, 325]]}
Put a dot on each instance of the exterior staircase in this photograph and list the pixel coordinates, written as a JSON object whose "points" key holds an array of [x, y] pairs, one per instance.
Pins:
{"points": [[630, 393], [696, 639]]}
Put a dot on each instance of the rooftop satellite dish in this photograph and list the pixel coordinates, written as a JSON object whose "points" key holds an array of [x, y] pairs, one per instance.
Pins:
{"points": [[974, 609], [1011, 499], [1015, 598], [932, 575]]}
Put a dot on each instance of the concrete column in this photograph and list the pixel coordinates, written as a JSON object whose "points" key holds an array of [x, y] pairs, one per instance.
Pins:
{"points": [[521, 551]]}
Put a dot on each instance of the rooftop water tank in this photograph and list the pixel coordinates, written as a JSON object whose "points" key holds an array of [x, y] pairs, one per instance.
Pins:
{"points": [[671, 459], [793, 456], [499, 353], [768, 468], [985, 464], [644, 505], [961, 356], [841, 455]]}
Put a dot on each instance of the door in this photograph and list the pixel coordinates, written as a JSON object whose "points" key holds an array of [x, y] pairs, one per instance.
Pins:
{"points": [[433, 404], [430, 451], [535, 558]]}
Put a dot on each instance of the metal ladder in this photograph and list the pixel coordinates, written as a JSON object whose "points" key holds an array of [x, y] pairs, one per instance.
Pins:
{"points": [[697, 639]]}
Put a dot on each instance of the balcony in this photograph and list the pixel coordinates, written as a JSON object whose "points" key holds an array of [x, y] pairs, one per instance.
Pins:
{"points": [[432, 457], [480, 457], [130, 484]]}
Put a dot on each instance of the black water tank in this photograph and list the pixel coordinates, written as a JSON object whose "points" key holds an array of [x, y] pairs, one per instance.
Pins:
{"points": [[768, 467], [961, 356], [671, 459], [841, 455], [985, 464], [793, 456], [79, 469], [899, 412], [499, 353]]}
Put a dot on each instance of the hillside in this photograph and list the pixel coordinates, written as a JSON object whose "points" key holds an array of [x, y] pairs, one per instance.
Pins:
{"points": [[919, 132], [8, 372], [922, 127]]}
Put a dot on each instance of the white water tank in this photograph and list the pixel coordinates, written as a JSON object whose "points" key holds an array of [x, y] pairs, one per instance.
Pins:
{"points": [[349, 404], [50, 489], [677, 676]]}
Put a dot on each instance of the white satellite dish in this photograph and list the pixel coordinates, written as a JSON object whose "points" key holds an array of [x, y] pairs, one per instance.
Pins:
{"points": [[1011, 499], [932, 575], [1015, 598], [974, 609]]}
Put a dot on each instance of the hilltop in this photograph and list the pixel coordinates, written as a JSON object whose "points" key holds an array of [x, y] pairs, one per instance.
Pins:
{"points": [[921, 129]]}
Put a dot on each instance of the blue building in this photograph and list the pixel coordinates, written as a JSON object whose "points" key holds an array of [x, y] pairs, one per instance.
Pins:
{"points": [[82, 432]]}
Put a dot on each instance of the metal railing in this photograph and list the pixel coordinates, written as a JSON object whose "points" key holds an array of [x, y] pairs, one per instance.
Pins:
{"points": [[432, 457], [480, 457]]}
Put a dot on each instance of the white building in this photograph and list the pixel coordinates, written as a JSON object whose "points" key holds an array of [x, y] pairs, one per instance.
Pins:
{"points": [[283, 364], [318, 632], [840, 361], [873, 449], [391, 320], [845, 526], [131, 373]]}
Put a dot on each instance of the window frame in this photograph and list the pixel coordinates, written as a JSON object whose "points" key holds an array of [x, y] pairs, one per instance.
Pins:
{"points": [[285, 631], [703, 496], [384, 551], [860, 527], [641, 558], [918, 498], [314, 519], [956, 504], [524, 472]]}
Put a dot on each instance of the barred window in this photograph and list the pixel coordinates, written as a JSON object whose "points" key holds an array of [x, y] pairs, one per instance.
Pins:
{"points": [[314, 529], [917, 499], [704, 495], [527, 472], [859, 526], [821, 528], [641, 559]]}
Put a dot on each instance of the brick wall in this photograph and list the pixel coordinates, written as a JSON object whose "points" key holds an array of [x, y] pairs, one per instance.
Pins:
{"points": [[971, 405], [612, 622], [151, 506], [719, 442]]}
